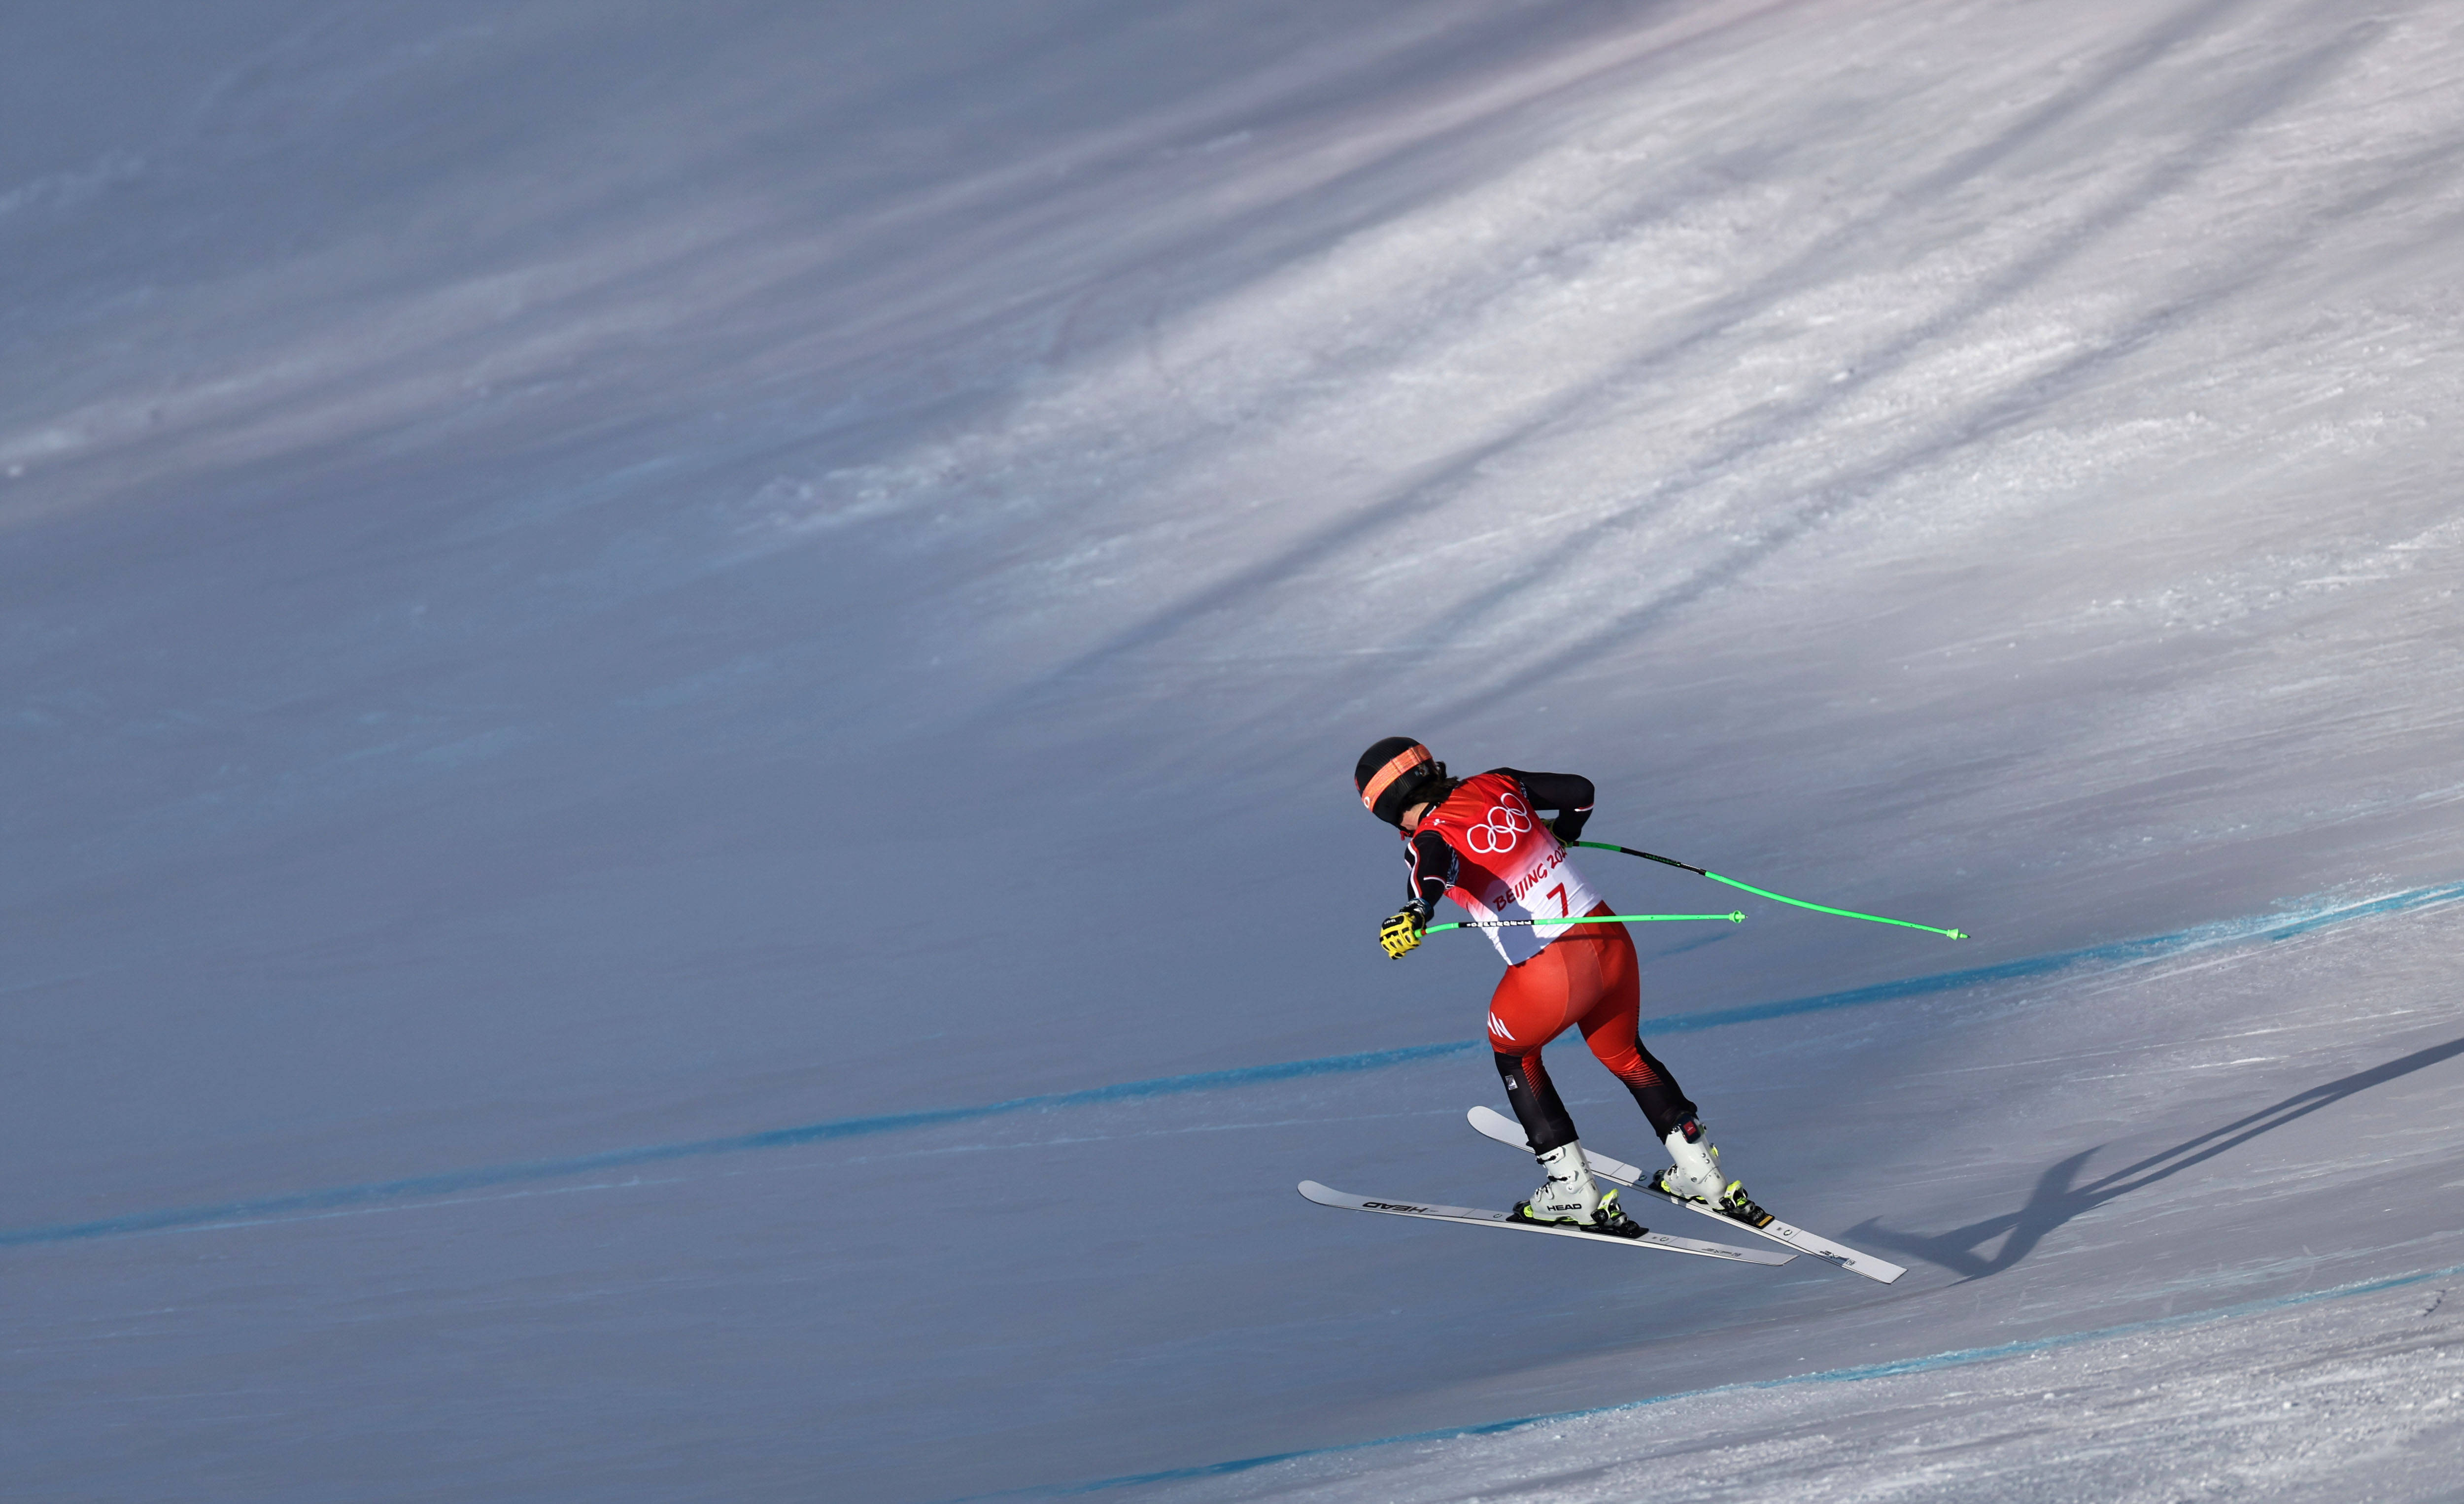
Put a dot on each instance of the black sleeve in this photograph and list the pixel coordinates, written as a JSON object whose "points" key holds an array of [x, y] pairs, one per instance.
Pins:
{"points": [[1434, 865], [1569, 794]]}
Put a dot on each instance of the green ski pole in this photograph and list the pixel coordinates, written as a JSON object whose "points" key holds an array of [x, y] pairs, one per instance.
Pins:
{"points": [[1736, 917], [1775, 897]]}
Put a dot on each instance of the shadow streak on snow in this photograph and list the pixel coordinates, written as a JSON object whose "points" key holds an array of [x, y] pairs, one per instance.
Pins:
{"points": [[1996, 412], [695, 256], [1871, 369], [1445, 474], [2057, 1200]]}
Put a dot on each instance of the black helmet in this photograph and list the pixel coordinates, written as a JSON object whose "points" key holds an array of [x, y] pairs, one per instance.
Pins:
{"points": [[1390, 773]]}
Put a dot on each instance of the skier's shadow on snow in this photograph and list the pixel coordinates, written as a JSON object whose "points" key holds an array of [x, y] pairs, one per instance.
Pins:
{"points": [[2058, 1201]]}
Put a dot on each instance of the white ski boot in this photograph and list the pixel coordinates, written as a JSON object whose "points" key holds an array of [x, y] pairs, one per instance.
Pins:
{"points": [[1569, 1194], [1697, 1177]]}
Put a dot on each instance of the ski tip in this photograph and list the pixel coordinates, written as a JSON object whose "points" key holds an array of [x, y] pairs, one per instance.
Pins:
{"points": [[1328, 1196], [1959, 935]]}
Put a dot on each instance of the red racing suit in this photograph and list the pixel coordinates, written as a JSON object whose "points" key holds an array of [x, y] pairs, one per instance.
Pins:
{"points": [[1496, 858], [1506, 864]]}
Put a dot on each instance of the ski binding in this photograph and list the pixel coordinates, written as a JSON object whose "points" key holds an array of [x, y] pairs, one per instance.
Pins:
{"points": [[1493, 1124], [1507, 1221]]}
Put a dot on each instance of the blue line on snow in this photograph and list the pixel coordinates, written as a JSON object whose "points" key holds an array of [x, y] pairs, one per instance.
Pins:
{"points": [[1957, 1358], [2154, 947], [456, 1180], [2119, 953]]}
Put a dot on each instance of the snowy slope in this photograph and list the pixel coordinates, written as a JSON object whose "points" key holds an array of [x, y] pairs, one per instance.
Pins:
{"points": [[678, 688]]}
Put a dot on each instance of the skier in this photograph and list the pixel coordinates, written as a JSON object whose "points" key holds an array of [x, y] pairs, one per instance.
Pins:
{"points": [[1480, 841]]}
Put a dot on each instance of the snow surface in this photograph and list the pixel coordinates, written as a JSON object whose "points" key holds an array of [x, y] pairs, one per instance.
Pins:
{"points": [[679, 685]]}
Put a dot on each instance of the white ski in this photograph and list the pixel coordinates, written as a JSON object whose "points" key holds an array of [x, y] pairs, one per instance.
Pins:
{"points": [[1474, 1217], [1496, 1125]]}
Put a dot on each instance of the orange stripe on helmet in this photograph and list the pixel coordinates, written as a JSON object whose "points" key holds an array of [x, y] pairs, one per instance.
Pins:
{"points": [[1383, 779]]}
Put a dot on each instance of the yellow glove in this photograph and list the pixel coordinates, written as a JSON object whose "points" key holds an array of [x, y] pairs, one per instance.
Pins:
{"points": [[1404, 931]]}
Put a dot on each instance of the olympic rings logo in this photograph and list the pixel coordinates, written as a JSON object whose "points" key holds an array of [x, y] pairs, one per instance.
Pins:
{"points": [[1503, 826]]}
